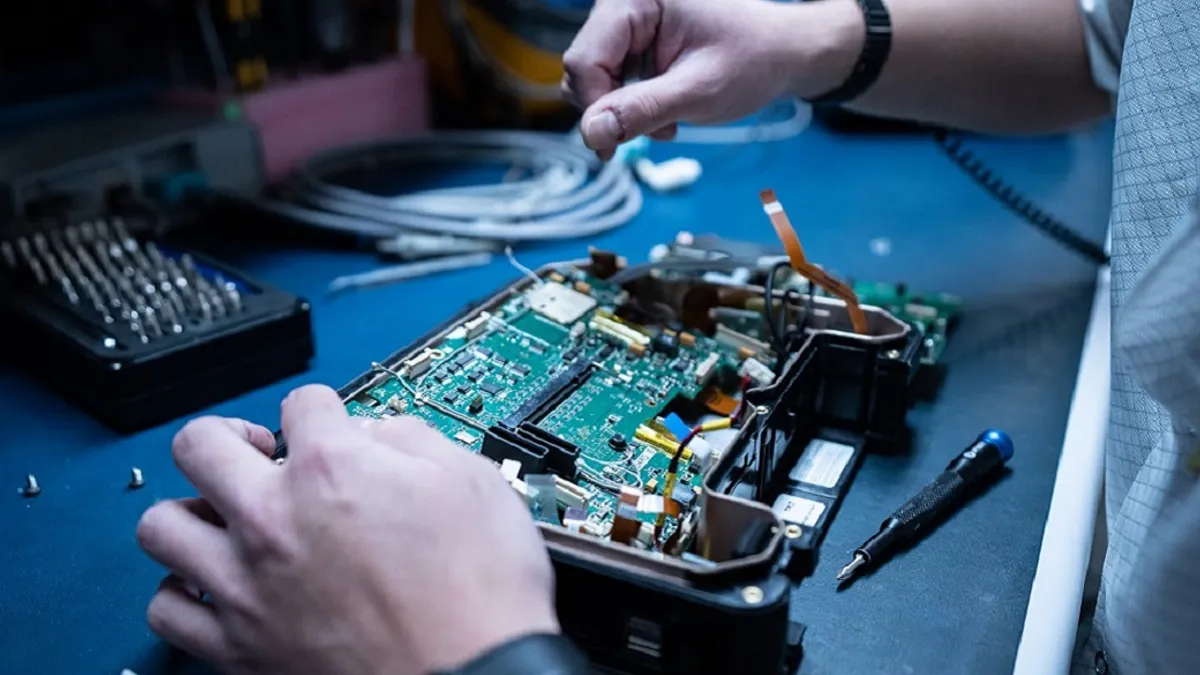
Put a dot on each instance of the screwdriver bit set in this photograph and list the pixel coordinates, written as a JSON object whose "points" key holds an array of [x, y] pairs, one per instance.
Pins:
{"points": [[137, 331]]}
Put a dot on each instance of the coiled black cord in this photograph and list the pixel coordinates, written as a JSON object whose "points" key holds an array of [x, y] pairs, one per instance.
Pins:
{"points": [[1018, 204]]}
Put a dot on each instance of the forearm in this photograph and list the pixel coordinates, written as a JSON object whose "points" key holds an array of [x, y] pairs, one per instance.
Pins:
{"points": [[1012, 66]]}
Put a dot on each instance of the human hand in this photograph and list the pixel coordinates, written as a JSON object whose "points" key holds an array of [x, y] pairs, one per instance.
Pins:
{"points": [[718, 60], [378, 547]]}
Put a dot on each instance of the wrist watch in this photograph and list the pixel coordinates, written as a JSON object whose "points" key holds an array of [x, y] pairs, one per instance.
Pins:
{"points": [[876, 47], [537, 654]]}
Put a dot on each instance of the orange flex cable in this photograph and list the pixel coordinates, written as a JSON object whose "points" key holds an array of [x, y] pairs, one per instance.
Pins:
{"points": [[795, 252]]}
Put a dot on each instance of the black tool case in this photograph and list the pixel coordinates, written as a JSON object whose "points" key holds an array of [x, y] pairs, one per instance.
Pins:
{"points": [[834, 387], [80, 317]]}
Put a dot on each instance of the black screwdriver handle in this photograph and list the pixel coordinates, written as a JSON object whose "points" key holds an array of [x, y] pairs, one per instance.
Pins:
{"points": [[924, 507]]}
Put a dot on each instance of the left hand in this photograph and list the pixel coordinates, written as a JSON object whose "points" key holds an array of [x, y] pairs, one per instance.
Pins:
{"points": [[379, 547]]}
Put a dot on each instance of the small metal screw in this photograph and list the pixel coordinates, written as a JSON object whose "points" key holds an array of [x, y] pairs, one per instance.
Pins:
{"points": [[752, 595], [792, 531], [280, 460], [893, 354], [135, 479], [31, 489]]}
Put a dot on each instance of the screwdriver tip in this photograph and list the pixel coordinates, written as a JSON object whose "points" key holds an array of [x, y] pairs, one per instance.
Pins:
{"points": [[849, 570]]}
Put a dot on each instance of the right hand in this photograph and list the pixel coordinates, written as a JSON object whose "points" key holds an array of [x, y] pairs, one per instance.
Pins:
{"points": [[717, 60]]}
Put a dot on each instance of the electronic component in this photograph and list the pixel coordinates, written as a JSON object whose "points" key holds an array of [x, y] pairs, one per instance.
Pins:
{"points": [[645, 483], [476, 326], [813, 273], [136, 480], [574, 519], [706, 367], [755, 370], [542, 493], [745, 345], [619, 332], [559, 303]]}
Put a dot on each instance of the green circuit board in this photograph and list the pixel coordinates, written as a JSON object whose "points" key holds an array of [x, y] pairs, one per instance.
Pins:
{"points": [[931, 313], [474, 382]]}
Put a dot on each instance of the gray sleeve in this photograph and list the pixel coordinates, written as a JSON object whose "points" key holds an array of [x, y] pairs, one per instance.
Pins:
{"points": [[1105, 24]]}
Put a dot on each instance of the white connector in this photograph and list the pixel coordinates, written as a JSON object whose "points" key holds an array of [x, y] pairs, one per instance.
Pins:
{"points": [[667, 176]]}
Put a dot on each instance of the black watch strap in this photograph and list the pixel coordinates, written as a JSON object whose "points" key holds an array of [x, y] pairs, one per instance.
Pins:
{"points": [[539, 654], [877, 45]]}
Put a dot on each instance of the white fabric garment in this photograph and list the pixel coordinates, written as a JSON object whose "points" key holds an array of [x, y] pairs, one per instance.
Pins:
{"points": [[1147, 52]]}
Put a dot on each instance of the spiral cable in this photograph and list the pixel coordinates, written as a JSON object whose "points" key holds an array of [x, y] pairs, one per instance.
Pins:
{"points": [[1004, 193]]}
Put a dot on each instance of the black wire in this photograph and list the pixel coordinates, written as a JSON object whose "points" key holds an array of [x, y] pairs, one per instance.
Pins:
{"points": [[769, 306], [783, 322], [986, 178]]}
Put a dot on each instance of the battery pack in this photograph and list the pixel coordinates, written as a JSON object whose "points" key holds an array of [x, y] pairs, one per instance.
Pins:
{"points": [[135, 331]]}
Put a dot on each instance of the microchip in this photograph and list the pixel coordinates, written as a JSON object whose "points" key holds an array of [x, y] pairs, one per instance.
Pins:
{"points": [[462, 388], [680, 365], [559, 303], [450, 396], [537, 348], [571, 355], [442, 377], [521, 369], [483, 351], [501, 360], [464, 358], [465, 438], [475, 376], [490, 388]]}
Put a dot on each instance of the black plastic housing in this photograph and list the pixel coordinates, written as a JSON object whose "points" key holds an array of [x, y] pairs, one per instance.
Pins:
{"points": [[628, 621], [133, 386]]}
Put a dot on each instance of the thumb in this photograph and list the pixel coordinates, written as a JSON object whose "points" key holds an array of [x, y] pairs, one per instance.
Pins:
{"points": [[637, 109]]}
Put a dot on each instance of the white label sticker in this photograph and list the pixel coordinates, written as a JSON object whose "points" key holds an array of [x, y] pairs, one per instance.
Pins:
{"points": [[822, 463], [798, 510]]}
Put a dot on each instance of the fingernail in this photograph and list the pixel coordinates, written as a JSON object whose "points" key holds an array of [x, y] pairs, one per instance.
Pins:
{"points": [[604, 130]]}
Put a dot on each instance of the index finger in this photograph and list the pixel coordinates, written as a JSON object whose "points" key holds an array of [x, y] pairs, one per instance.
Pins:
{"points": [[313, 414], [219, 456], [614, 30]]}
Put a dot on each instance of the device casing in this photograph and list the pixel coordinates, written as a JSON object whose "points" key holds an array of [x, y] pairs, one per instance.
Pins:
{"points": [[630, 620]]}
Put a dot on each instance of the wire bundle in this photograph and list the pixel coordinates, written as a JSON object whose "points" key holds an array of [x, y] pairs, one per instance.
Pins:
{"points": [[566, 191]]}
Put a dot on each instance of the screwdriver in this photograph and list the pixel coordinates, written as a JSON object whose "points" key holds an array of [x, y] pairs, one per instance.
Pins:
{"points": [[988, 453]]}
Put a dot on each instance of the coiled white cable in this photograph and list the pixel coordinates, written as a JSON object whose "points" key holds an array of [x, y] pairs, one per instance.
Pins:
{"points": [[568, 194]]}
